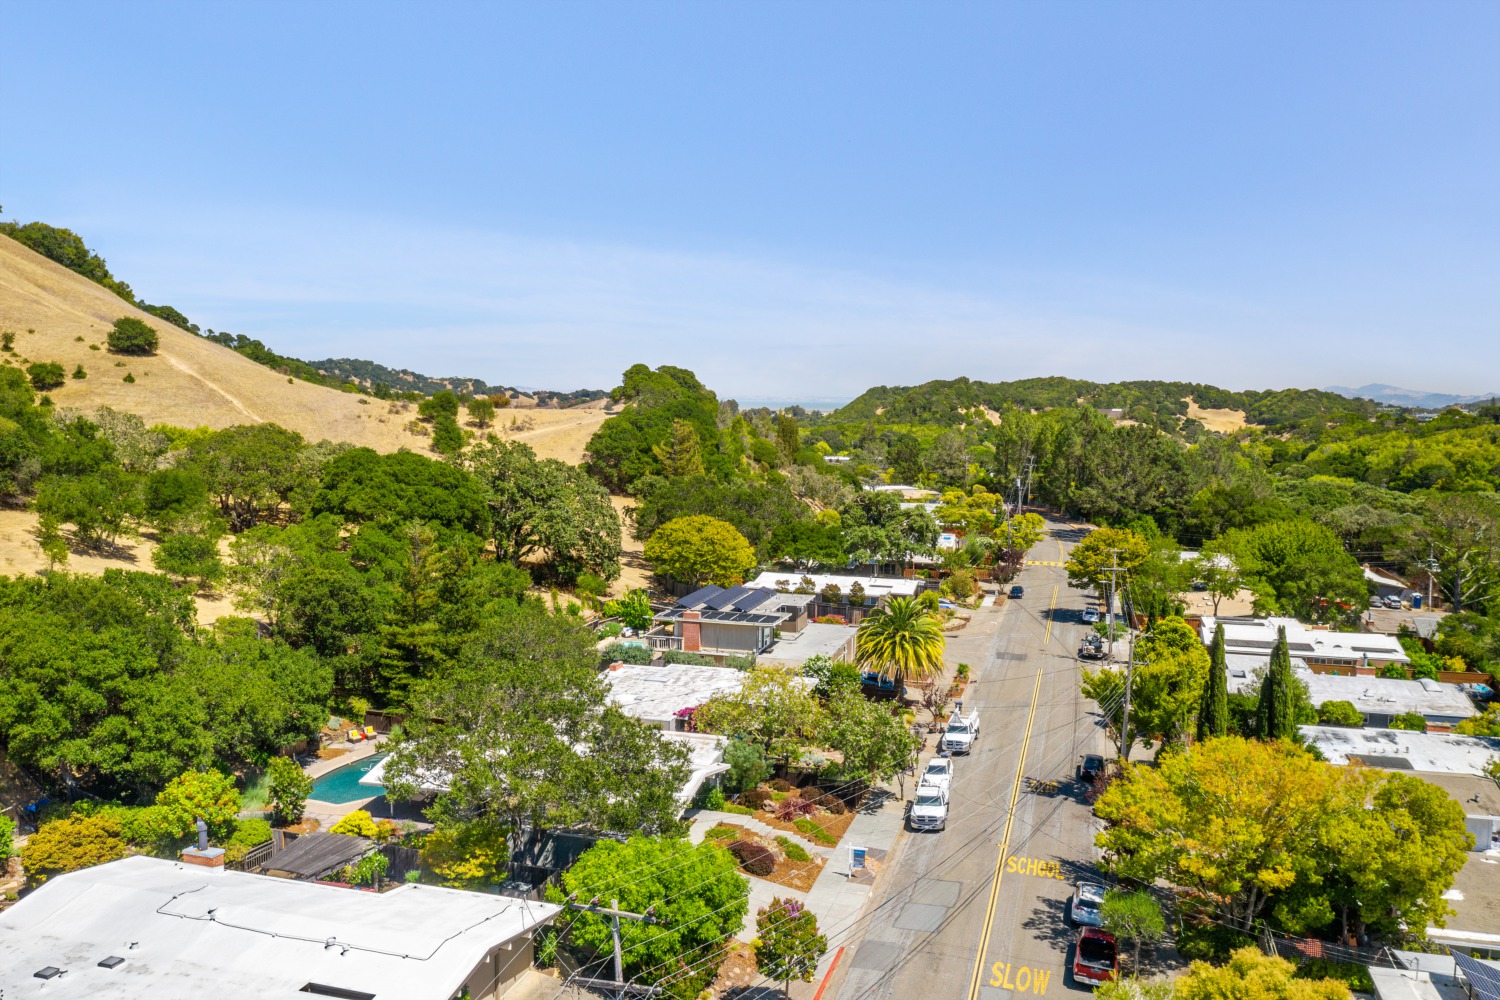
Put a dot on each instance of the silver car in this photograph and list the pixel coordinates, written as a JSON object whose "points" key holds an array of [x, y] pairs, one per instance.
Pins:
{"points": [[1084, 907]]}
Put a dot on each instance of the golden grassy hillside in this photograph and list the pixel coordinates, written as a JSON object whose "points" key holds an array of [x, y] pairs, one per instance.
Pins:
{"points": [[191, 382]]}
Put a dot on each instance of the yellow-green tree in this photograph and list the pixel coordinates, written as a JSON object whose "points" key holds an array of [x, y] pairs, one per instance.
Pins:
{"points": [[971, 512], [901, 639], [1103, 546], [700, 549], [1021, 532], [773, 709], [1232, 819], [1250, 975]]}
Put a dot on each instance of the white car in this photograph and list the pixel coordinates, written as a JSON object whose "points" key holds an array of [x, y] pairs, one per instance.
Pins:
{"points": [[1084, 907], [939, 772], [929, 810], [1090, 615]]}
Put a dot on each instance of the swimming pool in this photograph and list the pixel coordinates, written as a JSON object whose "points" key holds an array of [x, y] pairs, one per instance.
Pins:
{"points": [[342, 783]]}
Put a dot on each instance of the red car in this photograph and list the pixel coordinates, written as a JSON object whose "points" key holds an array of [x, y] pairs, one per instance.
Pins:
{"points": [[1096, 959]]}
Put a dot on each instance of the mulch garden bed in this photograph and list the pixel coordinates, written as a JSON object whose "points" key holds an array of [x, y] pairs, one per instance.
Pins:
{"points": [[738, 970], [799, 875]]}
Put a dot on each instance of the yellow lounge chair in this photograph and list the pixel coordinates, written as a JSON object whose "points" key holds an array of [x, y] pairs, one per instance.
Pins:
{"points": [[355, 735], [370, 732]]}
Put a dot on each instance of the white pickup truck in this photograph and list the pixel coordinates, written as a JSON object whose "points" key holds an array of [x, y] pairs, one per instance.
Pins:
{"points": [[961, 733], [929, 810], [939, 772]]}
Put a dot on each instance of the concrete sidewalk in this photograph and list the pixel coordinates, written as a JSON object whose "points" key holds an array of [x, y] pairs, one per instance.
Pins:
{"points": [[839, 900]]}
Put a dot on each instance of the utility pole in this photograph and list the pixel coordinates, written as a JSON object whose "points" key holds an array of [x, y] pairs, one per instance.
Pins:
{"points": [[1109, 608], [1125, 715], [1431, 566], [614, 913], [1030, 468]]}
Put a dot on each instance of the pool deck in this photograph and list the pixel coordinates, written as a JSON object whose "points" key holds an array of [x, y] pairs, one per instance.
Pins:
{"points": [[329, 813]]}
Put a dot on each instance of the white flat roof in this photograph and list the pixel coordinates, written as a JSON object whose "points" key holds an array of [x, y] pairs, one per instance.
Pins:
{"points": [[656, 694], [188, 932], [815, 639], [1371, 695], [1434, 753], [1258, 635], [875, 586]]}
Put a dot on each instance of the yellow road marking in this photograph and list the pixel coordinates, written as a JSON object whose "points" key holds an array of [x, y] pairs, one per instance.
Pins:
{"points": [[1050, 608], [1010, 818], [1061, 554]]}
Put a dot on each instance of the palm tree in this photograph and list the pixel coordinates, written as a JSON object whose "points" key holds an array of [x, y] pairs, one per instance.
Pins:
{"points": [[901, 640]]}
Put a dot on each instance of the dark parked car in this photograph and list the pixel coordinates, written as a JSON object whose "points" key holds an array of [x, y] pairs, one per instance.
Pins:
{"points": [[1017, 592], [1091, 768]]}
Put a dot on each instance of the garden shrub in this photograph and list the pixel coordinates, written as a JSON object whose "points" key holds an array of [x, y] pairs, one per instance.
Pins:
{"points": [[832, 803], [1340, 713], [628, 652], [737, 809], [690, 659], [740, 661], [755, 798], [794, 808], [248, 834], [1413, 721], [1211, 942], [779, 785], [1356, 977], [814, 832], [357, 823], [754, 858], [793, 850], [721, 831]]}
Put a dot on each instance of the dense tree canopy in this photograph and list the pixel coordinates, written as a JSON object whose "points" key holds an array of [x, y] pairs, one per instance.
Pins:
{"points": [[362, 485], [519, 727], [1266, 827], [103, 681]]}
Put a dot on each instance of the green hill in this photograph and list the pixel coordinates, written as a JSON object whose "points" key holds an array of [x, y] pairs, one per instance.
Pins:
{"points": [[1162, 404]]}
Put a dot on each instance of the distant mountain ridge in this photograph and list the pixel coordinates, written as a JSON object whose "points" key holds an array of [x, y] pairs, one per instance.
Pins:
{"points": [[372, 373], [1158, 403], [1397, 396]]}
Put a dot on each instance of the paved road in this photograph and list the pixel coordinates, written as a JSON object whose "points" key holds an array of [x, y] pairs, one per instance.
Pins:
{"points": [[976, 912]]}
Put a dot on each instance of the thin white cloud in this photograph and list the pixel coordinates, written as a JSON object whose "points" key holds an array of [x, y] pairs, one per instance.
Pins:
{"points": [[564, 314]]}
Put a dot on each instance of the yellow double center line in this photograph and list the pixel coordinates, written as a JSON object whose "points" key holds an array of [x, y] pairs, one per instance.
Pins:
{"points": [[1050, 609], [1010, 819]]}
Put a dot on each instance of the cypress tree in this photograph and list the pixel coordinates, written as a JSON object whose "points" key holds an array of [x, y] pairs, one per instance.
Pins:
{"points": [[1275, 716], [1213, 714]]}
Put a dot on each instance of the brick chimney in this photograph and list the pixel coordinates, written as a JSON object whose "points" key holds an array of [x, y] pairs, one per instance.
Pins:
{"points": [[206, 857], [692, 639]]}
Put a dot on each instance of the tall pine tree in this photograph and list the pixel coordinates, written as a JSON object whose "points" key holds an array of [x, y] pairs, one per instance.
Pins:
{"points": [[1276, 716], [682, 455], [1213, 714]]}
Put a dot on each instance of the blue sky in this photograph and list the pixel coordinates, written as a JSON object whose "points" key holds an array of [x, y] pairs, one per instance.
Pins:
{"points": [[796, 200]]}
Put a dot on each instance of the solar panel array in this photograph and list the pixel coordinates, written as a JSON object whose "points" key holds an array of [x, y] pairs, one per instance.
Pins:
{"points": [[1483, 979]]}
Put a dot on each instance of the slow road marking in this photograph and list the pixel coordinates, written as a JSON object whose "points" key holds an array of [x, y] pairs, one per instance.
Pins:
{"points": [[1021, 978], [1010, 819]]}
